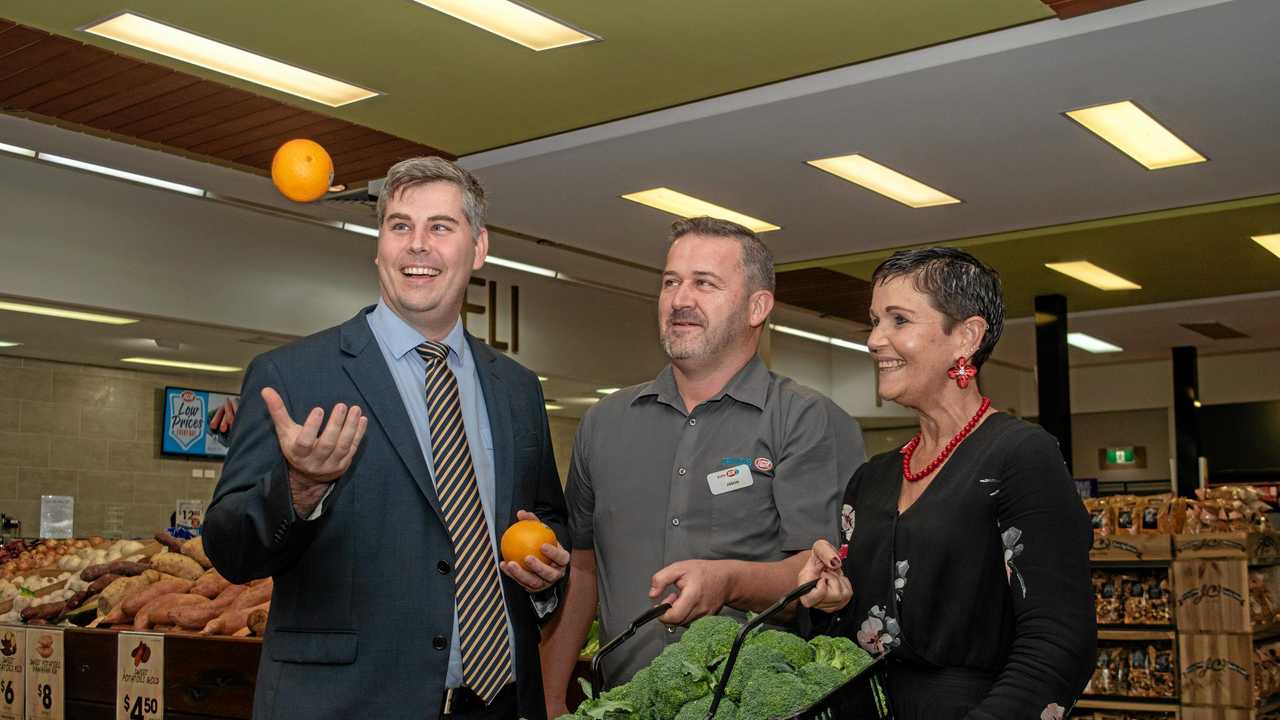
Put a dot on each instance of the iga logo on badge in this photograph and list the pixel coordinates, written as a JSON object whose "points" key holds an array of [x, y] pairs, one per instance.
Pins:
{"points": [[186, 423], [764, 464]]}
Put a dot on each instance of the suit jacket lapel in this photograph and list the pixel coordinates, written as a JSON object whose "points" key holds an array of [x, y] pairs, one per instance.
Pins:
{"points": [[497, 402], [368, 370]]}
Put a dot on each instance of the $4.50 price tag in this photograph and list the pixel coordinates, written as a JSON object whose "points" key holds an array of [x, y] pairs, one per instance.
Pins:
{"points": [[13, 662], [45, 676], [140, 676]]}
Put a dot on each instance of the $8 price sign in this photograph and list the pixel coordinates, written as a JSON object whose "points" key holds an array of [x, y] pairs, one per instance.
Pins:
{"points": [[44, 693], [141, 708]]}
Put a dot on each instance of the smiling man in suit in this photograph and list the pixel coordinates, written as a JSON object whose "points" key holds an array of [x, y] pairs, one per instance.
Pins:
{"points": [[381, 525]]}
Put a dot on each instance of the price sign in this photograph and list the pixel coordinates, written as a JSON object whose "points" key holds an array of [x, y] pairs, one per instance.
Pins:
{"points": [[140, 676], [190, 514], [45, 665], [13, 654], [57, 516]]}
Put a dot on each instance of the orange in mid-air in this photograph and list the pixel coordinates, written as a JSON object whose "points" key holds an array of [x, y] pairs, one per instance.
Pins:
{"points": [[525, 538], [302, 170]]}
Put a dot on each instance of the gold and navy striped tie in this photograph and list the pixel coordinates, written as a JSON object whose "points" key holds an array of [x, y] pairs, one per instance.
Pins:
{"points": [[482, 619]]}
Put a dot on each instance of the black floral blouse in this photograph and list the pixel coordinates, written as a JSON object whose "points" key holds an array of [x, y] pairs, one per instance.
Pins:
{"points": [[985, 578]]}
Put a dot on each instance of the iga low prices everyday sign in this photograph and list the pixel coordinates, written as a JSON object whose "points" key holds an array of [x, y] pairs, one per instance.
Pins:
{"points": [[191, 422]]}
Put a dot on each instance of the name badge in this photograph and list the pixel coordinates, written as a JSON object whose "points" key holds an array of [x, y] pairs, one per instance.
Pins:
{"points": [[735, 478]]}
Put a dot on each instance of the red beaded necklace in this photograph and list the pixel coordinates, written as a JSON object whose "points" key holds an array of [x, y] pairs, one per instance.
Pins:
{"points": [[910, 448]]}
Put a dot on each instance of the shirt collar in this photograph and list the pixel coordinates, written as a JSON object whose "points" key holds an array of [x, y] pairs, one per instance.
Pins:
{"points": [[401, 337], [750, 385]]}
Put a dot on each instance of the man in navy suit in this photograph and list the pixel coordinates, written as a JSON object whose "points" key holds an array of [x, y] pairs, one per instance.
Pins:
{"points": [[381, 525]]}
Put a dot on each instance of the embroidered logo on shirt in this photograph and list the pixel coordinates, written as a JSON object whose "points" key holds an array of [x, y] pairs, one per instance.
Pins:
{"points": [[763, 464]]}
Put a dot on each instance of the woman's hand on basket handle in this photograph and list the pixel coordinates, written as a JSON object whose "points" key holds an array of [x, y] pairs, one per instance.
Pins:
{"points": [[834, 589]]}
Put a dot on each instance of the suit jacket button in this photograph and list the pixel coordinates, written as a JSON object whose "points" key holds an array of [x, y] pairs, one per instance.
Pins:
{"points": [[442, 567], [438, 642]]}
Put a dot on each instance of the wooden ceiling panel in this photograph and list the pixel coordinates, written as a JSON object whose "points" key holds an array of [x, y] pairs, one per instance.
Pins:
{"points": [[1074, 8], [827, 292], [55, 77]]}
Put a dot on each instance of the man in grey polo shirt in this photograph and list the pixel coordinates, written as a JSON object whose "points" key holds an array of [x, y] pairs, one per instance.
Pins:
{"points": [[707, 486]]}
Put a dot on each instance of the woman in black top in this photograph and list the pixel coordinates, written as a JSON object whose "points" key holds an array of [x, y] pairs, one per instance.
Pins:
{"points": [[968, 548]]}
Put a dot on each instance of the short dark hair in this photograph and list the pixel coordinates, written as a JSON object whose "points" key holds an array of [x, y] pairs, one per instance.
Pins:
{"points": [[757, 261], [428, 169], [958, 285]]}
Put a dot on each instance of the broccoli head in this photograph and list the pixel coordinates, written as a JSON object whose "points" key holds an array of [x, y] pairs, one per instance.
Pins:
{"points": [[675, 677], [821, 679], [711, 637], [698, 709], [773, 695], [634, 694], [840, 653], [793, 647], [751, 660]]}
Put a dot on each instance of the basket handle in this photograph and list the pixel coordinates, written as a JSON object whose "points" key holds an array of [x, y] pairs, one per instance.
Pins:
{"points": [[752, 624], [597, 676]]}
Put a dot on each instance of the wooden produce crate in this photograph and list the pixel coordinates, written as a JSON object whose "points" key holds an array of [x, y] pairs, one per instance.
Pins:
{"points": [[1255, 547], [1197, 712], [1089, 708], [1216, 670], [1129, 548], [1212, 595]]}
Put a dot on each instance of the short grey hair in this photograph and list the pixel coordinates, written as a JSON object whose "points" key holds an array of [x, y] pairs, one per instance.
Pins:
{"points": [[757, 261], [423, 170]]}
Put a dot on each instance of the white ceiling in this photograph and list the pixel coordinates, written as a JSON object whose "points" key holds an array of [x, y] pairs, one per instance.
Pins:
{"points": [[979, 118]]}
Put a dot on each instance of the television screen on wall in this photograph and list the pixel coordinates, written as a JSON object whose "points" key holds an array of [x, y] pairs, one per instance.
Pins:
{"points": [[1241, 441], [185, 422]]}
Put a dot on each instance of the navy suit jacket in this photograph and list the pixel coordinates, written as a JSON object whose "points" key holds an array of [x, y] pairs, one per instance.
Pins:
{"points": [[362, 611]]}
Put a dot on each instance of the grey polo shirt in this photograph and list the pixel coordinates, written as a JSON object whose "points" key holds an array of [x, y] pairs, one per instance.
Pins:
{"points": [[755, 473]]}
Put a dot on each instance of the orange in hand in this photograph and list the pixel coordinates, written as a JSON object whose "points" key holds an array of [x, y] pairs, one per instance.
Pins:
{"points": [[525, 538], [302, 170]]}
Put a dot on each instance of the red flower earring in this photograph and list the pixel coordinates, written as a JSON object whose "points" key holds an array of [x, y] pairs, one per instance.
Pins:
{"points": [[962, 372]]}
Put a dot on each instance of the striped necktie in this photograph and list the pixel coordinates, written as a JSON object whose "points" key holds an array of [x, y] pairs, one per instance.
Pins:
{"points": [[482, 626]]}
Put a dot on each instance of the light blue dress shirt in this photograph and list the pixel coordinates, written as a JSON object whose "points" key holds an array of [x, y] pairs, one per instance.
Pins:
{"points": [[397, 340]]}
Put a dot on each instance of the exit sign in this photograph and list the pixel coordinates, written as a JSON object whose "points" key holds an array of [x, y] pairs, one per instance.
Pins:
{"points": [[1120, 456]]}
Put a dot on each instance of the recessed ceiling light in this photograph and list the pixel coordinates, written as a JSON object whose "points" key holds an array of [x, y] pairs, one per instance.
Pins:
{"points": [[5, 147], [362, 229], [122, 174], [553, 406], [875, 177], [66, 314], [1087, 272], [687, 206], [1091, 344], [180, 364], [607, 391], [7, 344], [523, 267], [542, 378], [1270, 242], [1136, 134], [513, 21], [179, 44], [846, 344]]}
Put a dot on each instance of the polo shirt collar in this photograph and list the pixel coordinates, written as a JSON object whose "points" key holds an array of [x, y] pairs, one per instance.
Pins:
{"points": [[750, 385], [401, 337]]}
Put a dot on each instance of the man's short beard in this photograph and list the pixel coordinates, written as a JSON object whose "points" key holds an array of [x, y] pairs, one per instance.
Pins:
{"points": [[712, 343]]}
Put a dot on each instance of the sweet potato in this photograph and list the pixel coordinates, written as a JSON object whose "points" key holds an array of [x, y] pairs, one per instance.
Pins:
{"points": [[122, 588], [256, 594], [158, 611], [194, 549], [228, 596], [232, 621], [177, 565], [164, 538], [101, 583], [122, 568], [210, 584], [195, 615], [258, 620], [47, 611], [168, 586]]}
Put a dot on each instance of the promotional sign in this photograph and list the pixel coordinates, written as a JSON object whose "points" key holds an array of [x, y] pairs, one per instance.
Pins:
{"points": [[140, 676], [45, 665], [57, 516], [190, 514], [13, 654], [187, 422]]}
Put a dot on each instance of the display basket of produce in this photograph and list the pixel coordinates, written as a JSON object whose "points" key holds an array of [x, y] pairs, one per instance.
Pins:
{"points": [[724, 670]]}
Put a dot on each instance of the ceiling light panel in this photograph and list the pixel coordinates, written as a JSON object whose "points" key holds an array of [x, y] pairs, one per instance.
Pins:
{"points": [[210, 54], [14, 149], [181, 364], [65, 314], [1136, 134], [1087, 272], [8, 344], [1270, 242], [861, 170], [687, 206], [1091, 344], [514, 21], [122, 174]]}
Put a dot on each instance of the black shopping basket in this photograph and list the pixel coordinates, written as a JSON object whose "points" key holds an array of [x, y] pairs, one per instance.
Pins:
{"points": [[862, 697]]}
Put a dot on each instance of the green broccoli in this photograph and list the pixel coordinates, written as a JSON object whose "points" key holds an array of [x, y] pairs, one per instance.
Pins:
{"points": [[676, 677], [773, 695], [793, 647], [697, 710], [601, 708], [821, 679], [840, 653], [711, 637], [751, 660]]}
